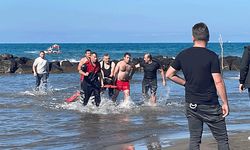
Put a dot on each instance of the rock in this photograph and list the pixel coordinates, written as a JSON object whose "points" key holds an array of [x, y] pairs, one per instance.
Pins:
{"points": [[236, 64], [24, 69], [30, 62], [165, 63], [6, 56], [55, 68], [8, 66], [21, 60]]}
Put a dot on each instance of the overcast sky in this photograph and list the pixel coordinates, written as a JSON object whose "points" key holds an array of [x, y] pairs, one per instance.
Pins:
{"points": [[121, 21]]}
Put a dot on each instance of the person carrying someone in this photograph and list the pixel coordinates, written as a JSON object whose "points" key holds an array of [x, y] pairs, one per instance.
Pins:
{"points": [[108, 67], [123, 74], [91, 84]]}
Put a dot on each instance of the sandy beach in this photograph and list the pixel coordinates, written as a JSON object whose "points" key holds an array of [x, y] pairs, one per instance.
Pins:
{"points": [[238, 141]]}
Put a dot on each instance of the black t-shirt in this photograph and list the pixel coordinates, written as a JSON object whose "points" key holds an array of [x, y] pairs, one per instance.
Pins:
{"points": [[197, 65], [150, 70]]}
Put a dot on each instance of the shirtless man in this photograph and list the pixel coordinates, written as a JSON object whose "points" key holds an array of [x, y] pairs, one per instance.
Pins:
{"points": [[83, 60], [121, 73]]}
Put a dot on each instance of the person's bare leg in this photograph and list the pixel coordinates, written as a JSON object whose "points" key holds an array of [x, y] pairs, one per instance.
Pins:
{"points": [[152, 99], [126, 93], [116, 93]]}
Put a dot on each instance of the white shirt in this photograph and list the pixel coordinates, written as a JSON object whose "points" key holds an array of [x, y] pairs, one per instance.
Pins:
{"points": [[41, 65]]}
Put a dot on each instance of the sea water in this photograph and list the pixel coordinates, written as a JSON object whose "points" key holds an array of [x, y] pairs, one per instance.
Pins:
{"points": [[43, 120]]}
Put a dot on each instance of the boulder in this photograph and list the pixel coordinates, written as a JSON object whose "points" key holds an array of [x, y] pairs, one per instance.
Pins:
{"points": [[54, 68], [30, 62], [8, 66], [6, 56], [236, 64], [24, 69]]}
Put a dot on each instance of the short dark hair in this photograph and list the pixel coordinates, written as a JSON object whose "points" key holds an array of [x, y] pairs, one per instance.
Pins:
{"points": [[88, 50], [41, 52], [127, 54], [200, 32], [94, 53], [106, 55]]}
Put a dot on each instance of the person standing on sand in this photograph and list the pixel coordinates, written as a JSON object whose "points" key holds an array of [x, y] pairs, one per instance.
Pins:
{"points": [[150, 76], [201, 70], [245, 71], [41, 70], [108, 67], [122, 71]]}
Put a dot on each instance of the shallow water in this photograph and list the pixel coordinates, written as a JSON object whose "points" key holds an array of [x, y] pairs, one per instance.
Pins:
{"points": [[43, 120]]}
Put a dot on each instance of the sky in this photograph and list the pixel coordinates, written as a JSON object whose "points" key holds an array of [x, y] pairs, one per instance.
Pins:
{"points": [[121, 21]]}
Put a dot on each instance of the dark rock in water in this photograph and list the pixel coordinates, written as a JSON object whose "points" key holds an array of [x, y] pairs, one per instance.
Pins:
{"points": [[24, 69], [30, 62], [8, 66], [136, 60], [159, 57], [66, 66], [6, 56], [236, 64], [228, 63], [165, 63], [55, 68], [21, 60]]}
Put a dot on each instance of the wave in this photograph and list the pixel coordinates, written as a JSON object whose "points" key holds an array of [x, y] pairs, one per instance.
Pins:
{"points": [[32, 52]]}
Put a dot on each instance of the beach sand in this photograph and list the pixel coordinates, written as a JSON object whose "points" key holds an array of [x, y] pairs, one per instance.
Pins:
{"points": [[238, 141]]}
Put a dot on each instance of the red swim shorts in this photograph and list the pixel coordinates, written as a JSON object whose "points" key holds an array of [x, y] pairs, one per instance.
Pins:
{"points": [[122, 85]]}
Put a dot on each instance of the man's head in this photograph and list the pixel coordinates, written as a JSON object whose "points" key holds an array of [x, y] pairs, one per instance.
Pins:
{"points": [[106, 58], [93, 57], [88, 53], [127, 57], [147, 57], [41, 54], [200, 32]]}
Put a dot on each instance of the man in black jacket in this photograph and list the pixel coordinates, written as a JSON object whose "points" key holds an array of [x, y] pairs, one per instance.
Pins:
{"points": [[245, 71]]}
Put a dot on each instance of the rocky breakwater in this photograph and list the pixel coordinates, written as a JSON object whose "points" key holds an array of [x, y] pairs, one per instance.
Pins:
{"points": [[23, 65]]}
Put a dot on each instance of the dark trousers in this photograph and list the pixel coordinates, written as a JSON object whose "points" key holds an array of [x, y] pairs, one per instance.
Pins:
{"points": [[87, 90], [43, 78], [212, 116]]}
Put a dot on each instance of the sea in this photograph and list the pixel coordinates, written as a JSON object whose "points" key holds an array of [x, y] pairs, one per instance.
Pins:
{"points": [[44, 120]]}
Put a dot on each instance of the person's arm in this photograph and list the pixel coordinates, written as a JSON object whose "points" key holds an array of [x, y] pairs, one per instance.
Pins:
{"points": [[112, 69], [101, 78], [163, 77], [82, 61], [116, 69], [171, 74], [244, 68], [220, 86], [34, 70]]}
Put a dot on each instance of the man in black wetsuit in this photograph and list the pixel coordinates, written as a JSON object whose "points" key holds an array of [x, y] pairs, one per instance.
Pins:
{"points": [[91, 71], [149, 81], [108, 67]]}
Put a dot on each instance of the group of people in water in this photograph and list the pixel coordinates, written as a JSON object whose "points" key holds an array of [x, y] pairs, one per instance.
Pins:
{"points": [[202, 80], [95, 75]]}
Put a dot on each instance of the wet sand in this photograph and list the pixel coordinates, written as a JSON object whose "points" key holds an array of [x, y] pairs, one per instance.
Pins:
{"points": [[238, 141]]}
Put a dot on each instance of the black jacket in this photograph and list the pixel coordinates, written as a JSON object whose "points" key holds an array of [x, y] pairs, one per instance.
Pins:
{"points": [[244, 68]]}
